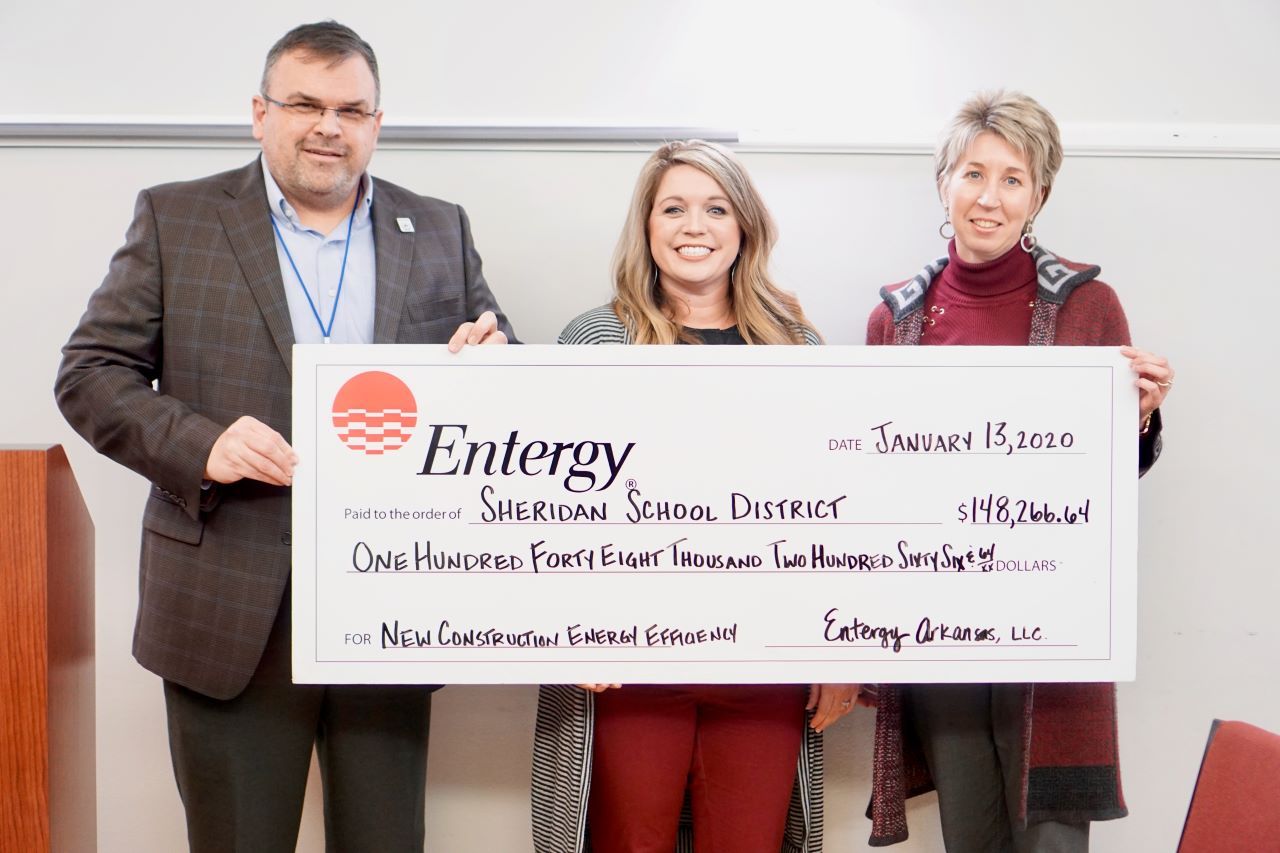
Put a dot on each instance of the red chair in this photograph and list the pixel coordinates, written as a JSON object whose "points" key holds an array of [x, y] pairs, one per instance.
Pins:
{"points": [[1236, 803]]}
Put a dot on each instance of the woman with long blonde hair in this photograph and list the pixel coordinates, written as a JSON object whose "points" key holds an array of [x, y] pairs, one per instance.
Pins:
{"points": [[612, 764], [652, 304]]}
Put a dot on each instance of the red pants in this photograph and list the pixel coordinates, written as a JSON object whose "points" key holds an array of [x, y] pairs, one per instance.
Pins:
{"points": [[733, 746]]}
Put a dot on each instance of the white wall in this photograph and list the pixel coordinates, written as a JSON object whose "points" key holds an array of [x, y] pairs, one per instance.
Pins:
{"points": [[867, 67], [1184, 241]]}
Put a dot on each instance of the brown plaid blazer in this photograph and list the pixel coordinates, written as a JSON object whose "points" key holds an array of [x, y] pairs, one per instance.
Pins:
{"points": [[194, 302]]}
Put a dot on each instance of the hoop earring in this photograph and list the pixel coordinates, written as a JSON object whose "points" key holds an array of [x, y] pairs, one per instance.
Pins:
{"points": [[1028, 240], [945, 222]]}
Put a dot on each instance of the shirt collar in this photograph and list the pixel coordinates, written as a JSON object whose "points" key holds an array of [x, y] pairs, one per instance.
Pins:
{"points": [[284, 212]]}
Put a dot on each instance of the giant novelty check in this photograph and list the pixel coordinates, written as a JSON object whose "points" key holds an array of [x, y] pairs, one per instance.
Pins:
{"points": [[536, 514]]}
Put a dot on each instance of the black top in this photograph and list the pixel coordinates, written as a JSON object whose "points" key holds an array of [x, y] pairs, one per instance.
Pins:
{"points": [[730, 335]]}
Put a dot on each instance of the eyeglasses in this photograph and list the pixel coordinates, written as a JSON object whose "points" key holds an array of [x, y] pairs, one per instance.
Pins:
{"points": [[314, 112]]}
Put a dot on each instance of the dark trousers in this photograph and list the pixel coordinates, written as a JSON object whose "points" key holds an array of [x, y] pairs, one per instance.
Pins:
{"points": [[972, 739], [734, 747], [242, 764]]}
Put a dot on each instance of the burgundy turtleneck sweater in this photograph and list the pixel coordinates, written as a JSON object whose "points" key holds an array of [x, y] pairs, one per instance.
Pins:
{"points": [[987, 304]]}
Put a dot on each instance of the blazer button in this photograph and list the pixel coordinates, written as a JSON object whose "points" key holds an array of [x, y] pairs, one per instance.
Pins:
{"points": [[286, 538]]}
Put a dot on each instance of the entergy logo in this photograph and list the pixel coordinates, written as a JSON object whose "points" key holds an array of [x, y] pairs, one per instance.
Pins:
{"points": [[374, 412]]}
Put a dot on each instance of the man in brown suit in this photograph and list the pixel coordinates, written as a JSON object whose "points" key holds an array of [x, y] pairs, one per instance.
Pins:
{"points": [[205, 299]]}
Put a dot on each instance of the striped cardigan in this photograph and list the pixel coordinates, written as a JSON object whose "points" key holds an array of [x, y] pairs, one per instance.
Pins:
{"points": [[562, 739], [602, 326]]}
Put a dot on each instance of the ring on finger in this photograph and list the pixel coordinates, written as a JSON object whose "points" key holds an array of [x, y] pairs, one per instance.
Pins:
{"points": [[1165, 384]]}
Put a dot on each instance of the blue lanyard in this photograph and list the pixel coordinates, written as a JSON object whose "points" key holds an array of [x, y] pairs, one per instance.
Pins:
{"points": [[342, 274]]}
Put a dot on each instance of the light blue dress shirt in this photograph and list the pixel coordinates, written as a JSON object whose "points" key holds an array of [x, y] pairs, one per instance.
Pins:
{"points": [[319, 261]]}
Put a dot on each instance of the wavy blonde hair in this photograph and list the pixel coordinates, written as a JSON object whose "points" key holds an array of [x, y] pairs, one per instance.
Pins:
{"points": [[765, 313]]}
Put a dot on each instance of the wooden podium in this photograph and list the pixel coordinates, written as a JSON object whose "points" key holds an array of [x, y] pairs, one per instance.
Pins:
{"points": [[48, 785]]}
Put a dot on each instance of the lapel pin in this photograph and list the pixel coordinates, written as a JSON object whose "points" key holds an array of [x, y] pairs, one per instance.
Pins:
{"points": [[405, 223]]}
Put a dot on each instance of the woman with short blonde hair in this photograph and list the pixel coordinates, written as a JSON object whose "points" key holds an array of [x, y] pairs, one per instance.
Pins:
{"points": [[1017, 119], [1016, 766]]}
